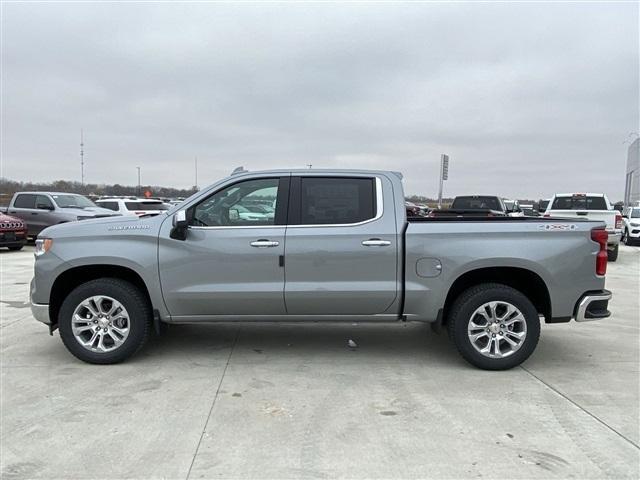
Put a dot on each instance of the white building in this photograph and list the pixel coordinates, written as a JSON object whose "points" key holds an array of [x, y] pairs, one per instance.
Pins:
{"points": [[632, 183]]}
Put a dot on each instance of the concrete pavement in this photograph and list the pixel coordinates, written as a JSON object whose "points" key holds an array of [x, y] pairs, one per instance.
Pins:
{"points": [[294, 401]]}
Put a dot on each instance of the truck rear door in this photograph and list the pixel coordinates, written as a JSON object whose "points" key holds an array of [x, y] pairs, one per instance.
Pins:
{"points": [[341, 250]]}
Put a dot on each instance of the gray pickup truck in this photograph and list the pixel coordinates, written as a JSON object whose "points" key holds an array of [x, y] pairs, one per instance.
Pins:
{"points": [[317, 245]]}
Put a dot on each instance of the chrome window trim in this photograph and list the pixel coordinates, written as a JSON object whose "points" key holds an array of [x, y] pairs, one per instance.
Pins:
{"points": [[378, 216]]}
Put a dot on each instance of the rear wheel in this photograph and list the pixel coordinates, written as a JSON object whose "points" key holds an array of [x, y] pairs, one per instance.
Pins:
{"points": [[104, 321], [612, 255], [493, 326]]}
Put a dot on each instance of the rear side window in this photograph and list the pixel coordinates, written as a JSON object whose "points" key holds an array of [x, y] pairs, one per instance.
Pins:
{"points": [[581, 202], [336, 200], [145, 206], [25, 201], [110, 205]]}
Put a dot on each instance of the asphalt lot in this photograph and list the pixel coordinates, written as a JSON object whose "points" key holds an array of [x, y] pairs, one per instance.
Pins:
{"points": [[294, 401]]}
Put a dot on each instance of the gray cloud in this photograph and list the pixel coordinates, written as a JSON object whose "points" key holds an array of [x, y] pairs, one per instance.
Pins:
{"points": [[527, 99]]}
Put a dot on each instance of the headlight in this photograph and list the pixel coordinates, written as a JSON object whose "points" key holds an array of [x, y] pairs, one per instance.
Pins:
{"points": [[635, 224], [42, 246]]}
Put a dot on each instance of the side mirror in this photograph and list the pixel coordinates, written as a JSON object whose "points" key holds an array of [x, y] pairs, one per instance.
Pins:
{"points": [[180, 225], [234, 214], [44, 206]]}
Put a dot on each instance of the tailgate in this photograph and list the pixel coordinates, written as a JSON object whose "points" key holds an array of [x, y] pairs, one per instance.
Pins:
{"points": [[607, 216]]}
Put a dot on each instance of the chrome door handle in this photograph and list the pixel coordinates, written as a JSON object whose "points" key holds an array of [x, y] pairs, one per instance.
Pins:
{"points": [[376, 242], [263, 243]]}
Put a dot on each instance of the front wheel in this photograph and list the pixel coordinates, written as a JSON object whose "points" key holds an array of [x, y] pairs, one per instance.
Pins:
{"points": [[104, 320], [493, 326], [612, 255]]}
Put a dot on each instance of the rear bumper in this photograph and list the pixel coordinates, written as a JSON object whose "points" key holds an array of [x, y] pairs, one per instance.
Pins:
{"points": [[614, 237], [593, 306]]}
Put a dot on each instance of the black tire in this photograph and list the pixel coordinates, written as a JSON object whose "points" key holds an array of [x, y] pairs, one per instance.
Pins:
{"points": [[612, 255], [133, 300], [461, 314], [625, 237], [16, 248]]}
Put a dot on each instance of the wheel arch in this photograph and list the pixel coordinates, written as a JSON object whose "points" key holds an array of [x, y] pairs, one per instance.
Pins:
{"points": [[68, 280], [522, 279]]}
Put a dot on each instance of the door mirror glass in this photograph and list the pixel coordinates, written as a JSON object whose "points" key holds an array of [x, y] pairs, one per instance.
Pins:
{"points": [[44, 206], [234, 214]]}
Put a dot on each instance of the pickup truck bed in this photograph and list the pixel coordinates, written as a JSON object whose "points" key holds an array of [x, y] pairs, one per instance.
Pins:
{"points": [[334, 246]]}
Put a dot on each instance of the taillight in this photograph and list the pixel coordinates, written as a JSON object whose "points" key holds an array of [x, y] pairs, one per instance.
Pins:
{"points": [[600, 236], [618, 221]]}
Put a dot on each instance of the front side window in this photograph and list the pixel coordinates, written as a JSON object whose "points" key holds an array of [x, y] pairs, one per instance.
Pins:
{"points": [[337, 201], [248, 203], [43, 202]]}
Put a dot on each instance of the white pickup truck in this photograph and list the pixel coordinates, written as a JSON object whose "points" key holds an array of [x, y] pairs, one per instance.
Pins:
{"points": [[592, 206]]}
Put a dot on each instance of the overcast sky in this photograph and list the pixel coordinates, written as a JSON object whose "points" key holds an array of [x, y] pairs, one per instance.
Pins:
{"points": [[527, 99]]}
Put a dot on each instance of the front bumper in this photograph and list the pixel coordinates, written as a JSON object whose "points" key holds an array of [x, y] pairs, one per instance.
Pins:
{"points": [[40, 312], [13, 238], [593, 306]]}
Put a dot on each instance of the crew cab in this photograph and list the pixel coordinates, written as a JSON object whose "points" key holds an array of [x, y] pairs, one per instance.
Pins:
{"points": [[339, 248], [594, 206]]}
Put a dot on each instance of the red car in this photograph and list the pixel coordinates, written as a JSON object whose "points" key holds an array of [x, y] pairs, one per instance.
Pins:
{"points": [[13, 232]]}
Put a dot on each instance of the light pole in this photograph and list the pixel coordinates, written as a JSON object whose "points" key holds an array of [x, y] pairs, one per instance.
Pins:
{"points": [[139, 186]]}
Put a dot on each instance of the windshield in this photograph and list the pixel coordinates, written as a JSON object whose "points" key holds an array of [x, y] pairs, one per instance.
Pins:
{"points": [[476, 202], [72, 201], [635, 213], [579, 202]]}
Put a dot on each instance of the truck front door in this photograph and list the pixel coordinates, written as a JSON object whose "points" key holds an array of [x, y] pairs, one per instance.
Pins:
{"points": [[230, 262], [341, 254]]}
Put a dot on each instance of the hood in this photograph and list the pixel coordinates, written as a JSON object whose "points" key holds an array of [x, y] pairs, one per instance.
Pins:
{"points": [[90, 211], [100, 225]]}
